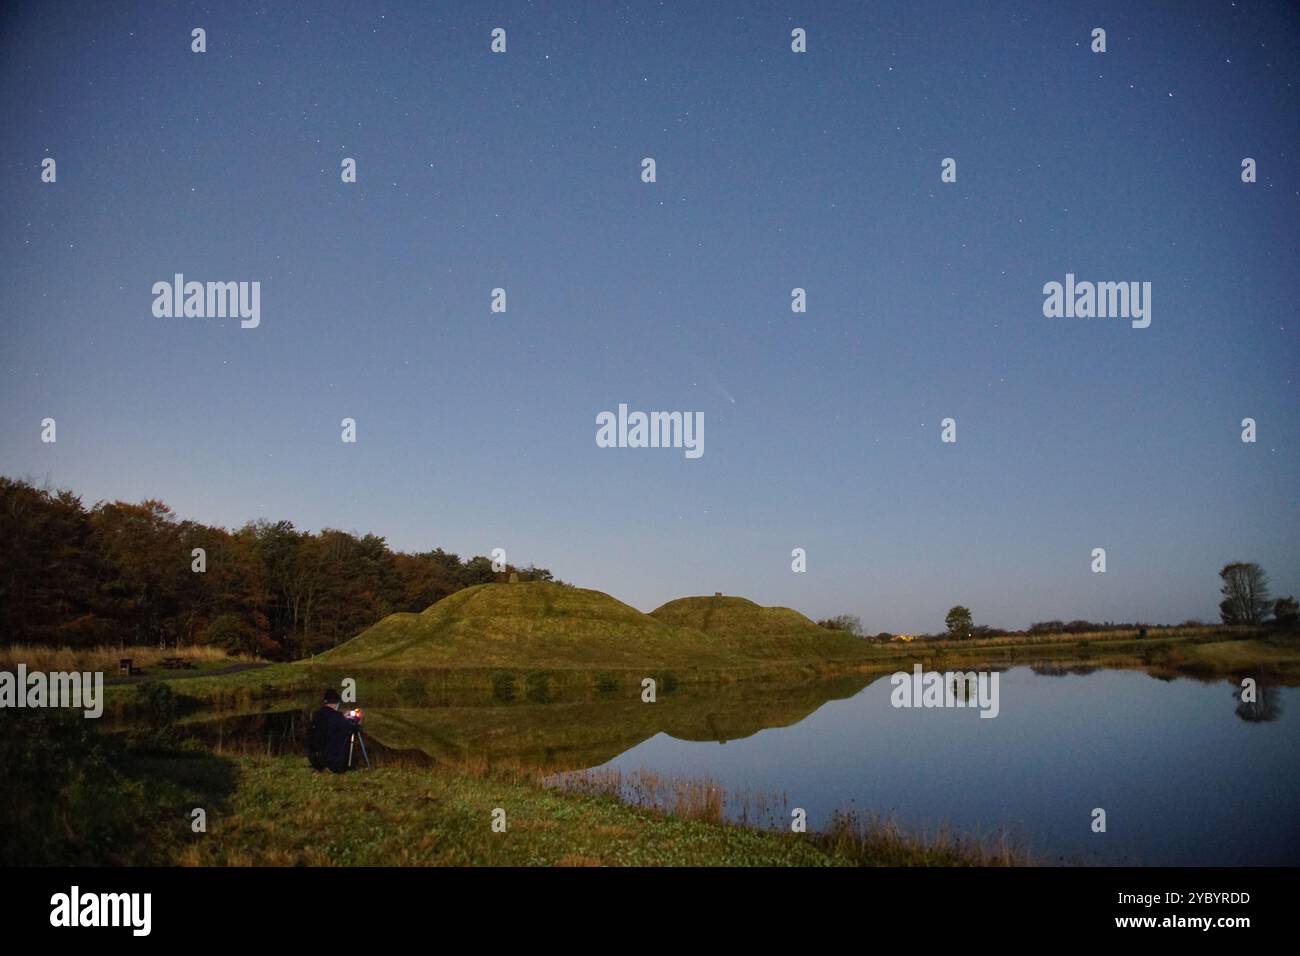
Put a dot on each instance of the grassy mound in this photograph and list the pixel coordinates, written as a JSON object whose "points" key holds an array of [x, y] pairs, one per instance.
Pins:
{"points": [[533, 624], [768, 631], [543, 625], [735, 617]]}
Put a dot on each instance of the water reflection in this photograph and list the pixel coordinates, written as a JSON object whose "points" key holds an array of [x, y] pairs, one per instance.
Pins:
{"points": [[533, 723], [1265, 707], [1162, 755]]}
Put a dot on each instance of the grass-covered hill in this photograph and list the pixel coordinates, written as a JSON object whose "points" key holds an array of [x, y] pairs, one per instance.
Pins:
{"points": [[739, 620], [544, 625], [536, 624]]}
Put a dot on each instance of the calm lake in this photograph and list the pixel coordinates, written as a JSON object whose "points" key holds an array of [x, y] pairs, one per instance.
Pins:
{"points": [[1182, 777], [1186, 773]]}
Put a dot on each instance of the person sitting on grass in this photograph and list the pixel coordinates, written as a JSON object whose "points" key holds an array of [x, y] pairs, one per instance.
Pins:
{"points": [[328, 735]]}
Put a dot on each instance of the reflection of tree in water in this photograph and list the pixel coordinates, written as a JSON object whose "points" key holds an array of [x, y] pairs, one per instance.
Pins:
{"points": [[1266, 706], [964, 686], [1059, 670]]}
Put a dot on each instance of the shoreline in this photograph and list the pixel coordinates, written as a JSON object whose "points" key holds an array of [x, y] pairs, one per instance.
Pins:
{"points": [[1221, 653]]}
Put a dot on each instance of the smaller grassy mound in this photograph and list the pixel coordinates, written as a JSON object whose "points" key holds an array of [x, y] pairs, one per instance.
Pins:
{"points": [[774, 632], [735, 617]]}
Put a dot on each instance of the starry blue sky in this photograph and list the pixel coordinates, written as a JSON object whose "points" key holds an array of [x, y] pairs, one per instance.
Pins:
{"points": [[775, 170]]}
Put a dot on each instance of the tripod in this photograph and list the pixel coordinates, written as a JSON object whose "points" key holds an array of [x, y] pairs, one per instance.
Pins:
{"points": [[356, 738]]}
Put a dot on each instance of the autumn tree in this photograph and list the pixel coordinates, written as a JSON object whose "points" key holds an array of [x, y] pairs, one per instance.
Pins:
{"points": [[125, 573], [140, 548], [49, 568]]}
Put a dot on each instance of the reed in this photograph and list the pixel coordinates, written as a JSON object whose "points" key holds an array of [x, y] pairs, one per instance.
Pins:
{"points": [[44, 658]]}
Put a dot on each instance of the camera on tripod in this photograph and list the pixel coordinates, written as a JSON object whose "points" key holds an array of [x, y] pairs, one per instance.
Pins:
{"points": [[356, 715]]}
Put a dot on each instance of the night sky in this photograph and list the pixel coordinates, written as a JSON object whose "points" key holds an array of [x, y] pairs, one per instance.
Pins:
{"points": [[775, 170]]}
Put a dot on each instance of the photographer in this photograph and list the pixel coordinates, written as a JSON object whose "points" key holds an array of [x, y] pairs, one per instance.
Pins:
{"points": [[328, 735]]}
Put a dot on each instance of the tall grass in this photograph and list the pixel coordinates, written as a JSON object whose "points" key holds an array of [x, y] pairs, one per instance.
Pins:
{"points": [[694, 798], [863, 839], [872, 840], [42, 658]]}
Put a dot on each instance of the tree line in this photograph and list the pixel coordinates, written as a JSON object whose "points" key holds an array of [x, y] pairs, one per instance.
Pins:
{"points": [[1246, 600], [129, 574]]}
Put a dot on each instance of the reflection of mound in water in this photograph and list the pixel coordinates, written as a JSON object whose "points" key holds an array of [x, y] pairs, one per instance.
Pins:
{"points": [[572, 732], [568, 731]]}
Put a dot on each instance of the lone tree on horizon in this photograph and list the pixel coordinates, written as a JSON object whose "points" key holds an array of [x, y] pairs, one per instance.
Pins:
{"points": [[1245, 593], [959, 621]]}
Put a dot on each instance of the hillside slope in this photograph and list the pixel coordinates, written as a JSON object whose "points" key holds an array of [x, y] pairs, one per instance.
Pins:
{"points": [[536, 624], [734, 617], [545, 625], [746, 627]]}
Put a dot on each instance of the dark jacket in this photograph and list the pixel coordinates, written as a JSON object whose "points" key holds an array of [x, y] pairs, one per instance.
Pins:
{"points": [[327, 740]]}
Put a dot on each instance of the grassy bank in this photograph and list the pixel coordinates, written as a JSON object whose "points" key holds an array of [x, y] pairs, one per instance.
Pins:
{"points": [[1264, 658], [282, 814], [1201, 653], [78, 796], [1268, 656]]}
